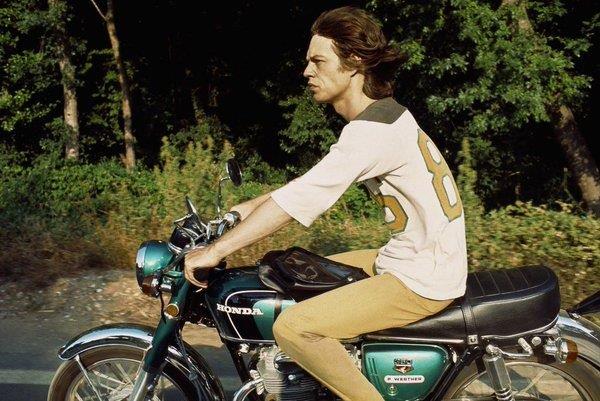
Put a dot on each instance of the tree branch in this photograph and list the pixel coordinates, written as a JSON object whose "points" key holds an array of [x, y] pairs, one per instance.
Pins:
{"points": [[98, 9]]}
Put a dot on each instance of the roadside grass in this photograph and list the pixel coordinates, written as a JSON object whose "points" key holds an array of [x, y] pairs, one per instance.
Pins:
{"points": [[57, 219]]}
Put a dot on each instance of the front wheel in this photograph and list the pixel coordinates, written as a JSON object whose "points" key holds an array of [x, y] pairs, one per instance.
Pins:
{"points": [[532, 379], [111, 373]]}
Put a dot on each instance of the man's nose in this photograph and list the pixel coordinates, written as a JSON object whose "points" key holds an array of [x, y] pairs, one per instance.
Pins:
{"points": [[308, 71]]}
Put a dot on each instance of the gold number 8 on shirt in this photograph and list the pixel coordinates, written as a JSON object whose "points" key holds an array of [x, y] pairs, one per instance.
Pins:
{"points": [[443, 183]]}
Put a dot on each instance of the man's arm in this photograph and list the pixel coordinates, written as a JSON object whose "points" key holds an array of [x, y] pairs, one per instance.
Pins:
{"points": [[246, 208], [266, 219]]}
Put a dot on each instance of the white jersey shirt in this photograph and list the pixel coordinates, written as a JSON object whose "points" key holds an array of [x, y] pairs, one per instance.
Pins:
{"points": [[406, 174]]}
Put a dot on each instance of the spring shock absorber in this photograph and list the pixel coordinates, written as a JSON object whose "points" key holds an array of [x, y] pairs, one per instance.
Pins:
{"points": [[499, 378]]}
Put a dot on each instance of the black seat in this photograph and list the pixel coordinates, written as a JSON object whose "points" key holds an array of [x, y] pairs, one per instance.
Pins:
{"points": [[499, 303]]}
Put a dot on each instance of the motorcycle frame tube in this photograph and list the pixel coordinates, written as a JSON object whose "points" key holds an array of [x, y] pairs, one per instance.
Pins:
{"points": [[140, 337], [588, 306], [240, 366], [584, 333], [166, 330], [468, 356]]}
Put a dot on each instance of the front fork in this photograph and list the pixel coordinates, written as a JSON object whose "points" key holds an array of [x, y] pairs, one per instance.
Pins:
{"points": [[154, 359]]}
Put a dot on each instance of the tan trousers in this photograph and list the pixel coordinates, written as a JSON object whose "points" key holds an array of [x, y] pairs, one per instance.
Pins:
{"points": [[309, 331]]}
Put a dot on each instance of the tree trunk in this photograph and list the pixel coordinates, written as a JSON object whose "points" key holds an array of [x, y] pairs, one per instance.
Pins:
{"points": [[199, 114], [579, 158], [129, 159], [67, 70]]}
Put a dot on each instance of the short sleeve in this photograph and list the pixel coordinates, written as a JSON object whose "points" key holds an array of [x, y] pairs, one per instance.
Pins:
{"points": [[355, 157]]}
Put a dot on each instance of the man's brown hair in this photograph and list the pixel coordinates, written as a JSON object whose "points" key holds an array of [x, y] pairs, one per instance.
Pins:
{"points": [[360, 44]]}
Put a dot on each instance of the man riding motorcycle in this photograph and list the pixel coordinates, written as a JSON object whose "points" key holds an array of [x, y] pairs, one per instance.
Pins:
{"points": [[421, 269]]}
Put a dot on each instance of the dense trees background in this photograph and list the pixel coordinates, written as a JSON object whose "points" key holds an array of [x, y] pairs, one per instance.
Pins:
{"points": [[237, 65], [510, 82]]}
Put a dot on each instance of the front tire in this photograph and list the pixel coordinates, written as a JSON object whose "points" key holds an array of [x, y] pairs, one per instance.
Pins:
{"points": [[535, 378], [112, 370]]}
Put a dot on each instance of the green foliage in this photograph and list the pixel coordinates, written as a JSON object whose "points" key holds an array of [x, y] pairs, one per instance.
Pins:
{"points": [[308, 135], [102, 109], [524, 234], [466, 182], [30, 80], [111, 211], [478, 85], [472, 73]]}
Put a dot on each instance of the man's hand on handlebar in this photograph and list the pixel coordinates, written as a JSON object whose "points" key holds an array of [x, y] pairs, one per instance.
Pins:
{"points": [[198, 262]]}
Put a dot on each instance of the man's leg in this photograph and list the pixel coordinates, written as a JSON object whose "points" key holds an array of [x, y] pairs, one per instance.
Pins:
{"points": [[363, 258], [309, 331]]}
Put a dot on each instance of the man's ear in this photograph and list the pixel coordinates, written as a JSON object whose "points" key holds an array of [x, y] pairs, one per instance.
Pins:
{"points": [[357, 60]]}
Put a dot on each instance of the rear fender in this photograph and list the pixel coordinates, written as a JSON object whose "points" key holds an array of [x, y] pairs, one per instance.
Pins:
{"points": [[140, 337], [584, 333]]}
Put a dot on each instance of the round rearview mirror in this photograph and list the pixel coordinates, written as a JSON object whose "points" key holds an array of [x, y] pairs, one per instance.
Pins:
{"points": [[234, 171]]}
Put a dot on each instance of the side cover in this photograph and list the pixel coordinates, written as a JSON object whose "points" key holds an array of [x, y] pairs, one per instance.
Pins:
{"points": [[403, 372]]}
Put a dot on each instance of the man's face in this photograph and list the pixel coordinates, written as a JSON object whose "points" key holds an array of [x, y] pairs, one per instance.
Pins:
{"points": [[327, 79]]}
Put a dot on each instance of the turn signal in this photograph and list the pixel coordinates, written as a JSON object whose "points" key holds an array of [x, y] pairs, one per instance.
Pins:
{"points": [[150, 286], [565, 351], [568, 351], [172, 311]]}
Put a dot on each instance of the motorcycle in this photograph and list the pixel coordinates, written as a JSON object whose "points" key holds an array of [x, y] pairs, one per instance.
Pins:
{"points": [[506, 339]]}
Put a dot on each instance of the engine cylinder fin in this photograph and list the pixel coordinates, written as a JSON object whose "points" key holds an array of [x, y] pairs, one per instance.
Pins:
{"points": [[285, 382]]}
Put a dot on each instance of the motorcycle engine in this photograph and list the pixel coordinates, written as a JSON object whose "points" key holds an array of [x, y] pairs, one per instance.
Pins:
{"points": [[284, 380]]}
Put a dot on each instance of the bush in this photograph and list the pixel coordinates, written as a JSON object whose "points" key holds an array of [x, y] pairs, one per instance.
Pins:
{"points": [[525, 234], [58, 217]]}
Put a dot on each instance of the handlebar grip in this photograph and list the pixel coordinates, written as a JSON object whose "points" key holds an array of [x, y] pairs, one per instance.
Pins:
{"points": [[232, 218]]}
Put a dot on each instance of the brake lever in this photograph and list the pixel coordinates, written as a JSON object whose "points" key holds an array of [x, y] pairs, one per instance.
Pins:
{"points": [[181, 255], [230, 219]]}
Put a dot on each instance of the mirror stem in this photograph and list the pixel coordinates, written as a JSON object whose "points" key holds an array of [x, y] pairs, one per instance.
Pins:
{"points": [[219, 196]]}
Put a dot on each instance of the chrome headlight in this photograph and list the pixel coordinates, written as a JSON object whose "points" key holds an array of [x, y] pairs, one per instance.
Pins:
{"points": [[151, 258]]}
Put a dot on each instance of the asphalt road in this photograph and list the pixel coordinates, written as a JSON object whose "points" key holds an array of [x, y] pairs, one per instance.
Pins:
{"points": [[28, 360]]}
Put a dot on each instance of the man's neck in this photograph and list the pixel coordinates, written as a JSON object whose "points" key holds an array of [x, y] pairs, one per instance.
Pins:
{"points": [[351, 106]]}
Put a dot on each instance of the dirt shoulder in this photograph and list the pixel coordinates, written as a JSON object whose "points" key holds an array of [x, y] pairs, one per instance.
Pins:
{"points": [[91, 298], [106, 296]]}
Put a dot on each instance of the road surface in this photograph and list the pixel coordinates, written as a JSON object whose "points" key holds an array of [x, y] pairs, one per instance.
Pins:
{"points": [[28, 347]]}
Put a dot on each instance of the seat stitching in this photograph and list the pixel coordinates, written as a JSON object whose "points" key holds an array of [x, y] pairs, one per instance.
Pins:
{"points": [[479, 284], [524, 278], [509, 280], [494, 281]]}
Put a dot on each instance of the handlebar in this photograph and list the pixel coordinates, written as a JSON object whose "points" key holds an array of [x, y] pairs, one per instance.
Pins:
{"points": [[230, 219]]}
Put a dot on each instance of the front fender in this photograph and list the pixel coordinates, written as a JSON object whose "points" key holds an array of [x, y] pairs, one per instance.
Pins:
{"points": [[584, 333], [140, 337]]}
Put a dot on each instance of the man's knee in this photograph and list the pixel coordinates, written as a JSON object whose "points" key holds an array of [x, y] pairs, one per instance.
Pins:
{"points": [[283, 328]]}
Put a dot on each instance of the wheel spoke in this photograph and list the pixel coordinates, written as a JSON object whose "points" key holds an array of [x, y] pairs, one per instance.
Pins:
{"points": [[108, 378], [87, 377], [111, 379], [530, 381], [125, 375], [118, 372], [534, 381]]}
